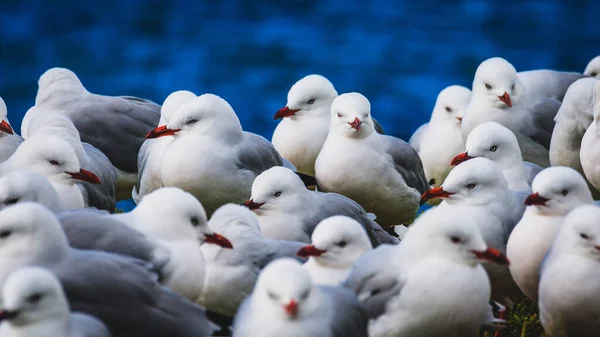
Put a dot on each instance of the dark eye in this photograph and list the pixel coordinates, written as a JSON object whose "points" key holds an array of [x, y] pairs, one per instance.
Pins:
{"points": [[310, 101], [512, 87], [54, 162], [339, 114], [277, 194], [584, 236], [449, 109], [272, 295], [493, 148], [304, 295], [11, 201], [564, 192], [471, 186], [195, 222], [594, 74], [341, 244], [192, 121], [34, 298], [488, 87], [4, 234], [455, 239]]}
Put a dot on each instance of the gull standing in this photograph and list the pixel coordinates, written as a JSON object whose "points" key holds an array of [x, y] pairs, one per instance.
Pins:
{"points": [[9, 141], [557, 191], [211, 156], [34, 305], [337, 243], [497, 143], [287, 303], [382, 173], [288, 211], [442, 138], [499, 95], [593, 67], [568, 284]]}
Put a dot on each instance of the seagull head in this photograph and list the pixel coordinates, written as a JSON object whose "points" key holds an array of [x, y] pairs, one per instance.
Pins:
{"points": [[580, 232], [172, 103], [337, 242], [311, 96], [450, 105], [56, 80], [557, 190], [4, 125], [493, 141], [233, 220], [276, 189], [496, 83], [593, 68], [23, 186], [351, 116]]}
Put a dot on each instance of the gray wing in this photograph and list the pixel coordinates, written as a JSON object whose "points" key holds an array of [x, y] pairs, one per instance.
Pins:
{"points": [[348, 317], [374, 280], [532, 171], [278, 249], [125, 295], [117, 126], [549, 83], [330, 204], [94, 230], [89, 326], [417, 136], [101, 196], [407, 163], [542, 112], [378, 127], [257, 154]]}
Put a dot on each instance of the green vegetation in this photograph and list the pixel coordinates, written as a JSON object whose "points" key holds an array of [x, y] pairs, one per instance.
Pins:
{"points": [[523, 321]]}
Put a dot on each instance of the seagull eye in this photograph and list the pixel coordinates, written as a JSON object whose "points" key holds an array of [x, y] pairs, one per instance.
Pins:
{"points": [[5, 234], [449, 109], [54, 162], [564, 192], [277, 194], [34, 298], [192, 121], [195, 222], [455, 239], [594, 74], [339, 115], [493, 148], [341, 244], [584, 236], [304, 295], [310, 101], [512, 87], [488, 87], [471, 186], [272, 296], [11, 201]]}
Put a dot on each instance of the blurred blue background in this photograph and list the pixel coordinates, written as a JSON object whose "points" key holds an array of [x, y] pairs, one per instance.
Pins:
{"points": [[400, 54]]}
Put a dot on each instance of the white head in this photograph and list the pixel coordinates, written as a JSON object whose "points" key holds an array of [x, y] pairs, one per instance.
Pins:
{"points": [[450, 104], [27, 186], [351, 116], [284, 290], [234, 219], [578, 102], [310, 96], [276, 189], [172, 103], [493, 141], [205, 115], [33, 295], [57, 80], [337, 242], [52, 122], [51, 157], [171, 214], [593, 68], [448, 233], [5, 127], [478, 181], [580, 233], [31, 234], [496, 83], [557, 190]]}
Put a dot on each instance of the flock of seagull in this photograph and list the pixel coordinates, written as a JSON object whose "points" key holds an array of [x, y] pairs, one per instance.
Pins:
{"points": [[315, 233]]}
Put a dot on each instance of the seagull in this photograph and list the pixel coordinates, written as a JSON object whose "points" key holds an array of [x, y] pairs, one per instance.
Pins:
{"points": [[34, 305], [549, 83], [9, 141], [556, 191], [497, 143], [28, 186], [568, 286], [593, 67], [94, 281], [304, 124], [286, 300], [232, 273], [211, 156], [114, 125], [287, 210], [382, 173], [441, 139], [588, 154], [337, 242], [499, 95]]}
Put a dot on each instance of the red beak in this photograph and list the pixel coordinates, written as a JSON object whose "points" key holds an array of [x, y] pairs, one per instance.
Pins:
{"points": [[355, 124], [460, 158], [291, 308], [5, 127], [310, 250], [252, 205], [492, 255], [535, 199], [7, 314], [218, 240], [506, 99], [459, 119], [85, 175], [160, 132], [435, 193], [285, 112]]}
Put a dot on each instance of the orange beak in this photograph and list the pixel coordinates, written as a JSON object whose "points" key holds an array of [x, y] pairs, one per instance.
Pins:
{"points": [[85, 175], [285, 112], [460, 158], [492, 255], [218, 240], [5, 127], [535, 199], [291, 309], [506, 99], [355, 124], [435, 193], [252, 205], [161, 131], [310, 250]]}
